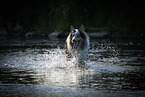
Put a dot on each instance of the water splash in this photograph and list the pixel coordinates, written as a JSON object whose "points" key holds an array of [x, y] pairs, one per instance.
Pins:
{"points": [[52, 64]]}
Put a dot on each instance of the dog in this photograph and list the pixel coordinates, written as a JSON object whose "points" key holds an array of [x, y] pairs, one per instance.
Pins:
{"points": [[77, 44]]}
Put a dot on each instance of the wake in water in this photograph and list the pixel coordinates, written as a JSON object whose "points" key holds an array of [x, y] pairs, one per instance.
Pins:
{"points": [[54, 68], [58, 70], [49, 71], [52, 65]]}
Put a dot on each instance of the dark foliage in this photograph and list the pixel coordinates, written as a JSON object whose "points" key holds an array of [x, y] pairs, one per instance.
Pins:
{"points": [[44, 16]]}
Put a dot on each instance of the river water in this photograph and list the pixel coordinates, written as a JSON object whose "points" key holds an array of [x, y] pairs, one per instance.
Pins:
{"points": [[39, 68]]}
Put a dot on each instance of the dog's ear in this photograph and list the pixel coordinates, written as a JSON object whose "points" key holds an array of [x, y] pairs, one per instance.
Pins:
{"points": [[82, 28], [71, 28]]}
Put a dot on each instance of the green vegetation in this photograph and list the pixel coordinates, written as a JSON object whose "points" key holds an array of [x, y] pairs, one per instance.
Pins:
{"points": [[45, 16]]}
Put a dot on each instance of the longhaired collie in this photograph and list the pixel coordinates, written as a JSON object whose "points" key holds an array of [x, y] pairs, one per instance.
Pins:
{"points": [[77, 44]]}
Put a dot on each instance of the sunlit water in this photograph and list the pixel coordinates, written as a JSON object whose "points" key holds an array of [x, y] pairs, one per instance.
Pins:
{"points": [[39, 68]]}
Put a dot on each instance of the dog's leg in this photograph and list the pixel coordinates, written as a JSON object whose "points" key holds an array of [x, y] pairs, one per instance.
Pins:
{"points": [[81, 63]]}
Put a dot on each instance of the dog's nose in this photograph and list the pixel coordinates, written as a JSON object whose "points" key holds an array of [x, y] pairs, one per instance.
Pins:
{"points": [[74, 40]]}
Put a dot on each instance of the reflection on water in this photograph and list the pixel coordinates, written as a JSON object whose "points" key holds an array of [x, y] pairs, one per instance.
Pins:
{"points": [[40, 68]]}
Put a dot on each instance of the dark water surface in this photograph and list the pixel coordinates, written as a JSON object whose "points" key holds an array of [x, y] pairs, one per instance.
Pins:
{"points": [[39, 68]]}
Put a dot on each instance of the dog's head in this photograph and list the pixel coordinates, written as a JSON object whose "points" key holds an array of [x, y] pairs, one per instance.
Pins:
{"points": [[77, 36]]}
